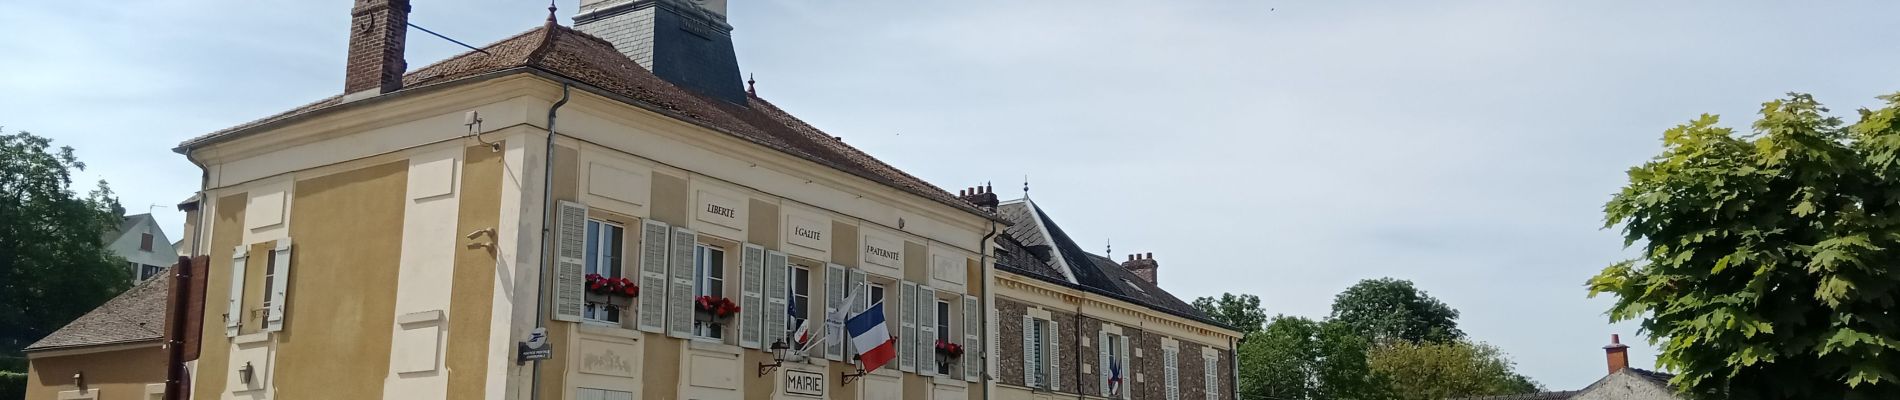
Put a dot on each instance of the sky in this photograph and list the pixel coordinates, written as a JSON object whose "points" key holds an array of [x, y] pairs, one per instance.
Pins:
{"points": [[1285, 149]]}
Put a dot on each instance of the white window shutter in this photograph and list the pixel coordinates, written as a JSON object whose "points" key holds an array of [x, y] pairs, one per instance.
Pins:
{"points": [[834, 300], [1171, 364], [926, 340], [1101, 367], [1055, 356], [653, 281], [570, 252], [856, 281], [751, 300], [777, 300], [972, 339], [234, 309], [1209, 373], [280, 287], [1032, 355], [906, 336], [679, 299]]}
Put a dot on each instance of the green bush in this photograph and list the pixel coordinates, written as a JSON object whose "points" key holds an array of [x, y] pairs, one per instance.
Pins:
{"points": [[12, 385]]}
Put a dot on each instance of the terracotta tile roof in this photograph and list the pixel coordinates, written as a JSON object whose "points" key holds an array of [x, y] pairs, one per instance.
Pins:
{"points": [[138, 315], [593, 62]]}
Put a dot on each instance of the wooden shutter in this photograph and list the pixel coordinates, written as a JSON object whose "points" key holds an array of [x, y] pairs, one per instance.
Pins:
{"points": [[653, 282], [234, 309], [907, 317], [570, 252], [1032, 355], [1208, 373], [1171, 365], [751, 302], [1055, 355], [926, 340], [834, 300], [1101, 367], [972, 339], [679, 299], [777, 299], [280, 287], [855, 282]]}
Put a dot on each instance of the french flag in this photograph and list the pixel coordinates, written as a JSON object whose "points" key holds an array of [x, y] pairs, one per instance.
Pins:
{"points": [[871, 338]]}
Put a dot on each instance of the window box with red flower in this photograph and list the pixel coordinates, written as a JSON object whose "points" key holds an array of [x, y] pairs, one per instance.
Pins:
{"points": [[714, 308], [615, 293]]}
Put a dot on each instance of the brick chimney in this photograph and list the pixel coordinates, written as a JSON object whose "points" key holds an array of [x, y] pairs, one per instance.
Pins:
{"points": [[980, 196], [1144, 266], [1617, 353], [377, 31]]}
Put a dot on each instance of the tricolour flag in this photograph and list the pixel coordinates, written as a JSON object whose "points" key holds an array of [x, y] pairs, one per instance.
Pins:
{"points": [[1114, 376], [871, 338]]}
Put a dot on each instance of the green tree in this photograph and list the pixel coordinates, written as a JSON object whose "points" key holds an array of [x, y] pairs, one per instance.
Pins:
{"points": [[54, 265], [1434, 371], [1239, 311], [1386, 310], [1767, 269], [1295, 358]]}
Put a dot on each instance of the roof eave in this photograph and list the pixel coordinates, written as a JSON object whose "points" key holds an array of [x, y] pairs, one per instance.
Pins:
{"points": [[196, 143]]}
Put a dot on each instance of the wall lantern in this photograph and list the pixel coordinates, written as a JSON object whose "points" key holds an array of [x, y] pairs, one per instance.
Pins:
{"points": [[79, 380], [247, 374]]}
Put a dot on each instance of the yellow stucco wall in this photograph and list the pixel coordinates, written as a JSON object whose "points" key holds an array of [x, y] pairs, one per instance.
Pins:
{"points": [[474, 280], [348, 234], [117, 375], [214, 354]]}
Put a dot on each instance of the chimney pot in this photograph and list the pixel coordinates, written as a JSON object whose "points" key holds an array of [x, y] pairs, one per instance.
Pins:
{"points": [[378, 32], [1617, 354]]}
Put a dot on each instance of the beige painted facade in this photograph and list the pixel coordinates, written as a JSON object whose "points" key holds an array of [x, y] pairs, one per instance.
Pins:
{"points": [[385, 253]]}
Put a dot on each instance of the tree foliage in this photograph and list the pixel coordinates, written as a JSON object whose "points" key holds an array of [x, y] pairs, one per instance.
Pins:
{"points": [[1434, 371], [1768, 264], [1295, 358], [54, 265], [1388, 310], [1239, 311]]}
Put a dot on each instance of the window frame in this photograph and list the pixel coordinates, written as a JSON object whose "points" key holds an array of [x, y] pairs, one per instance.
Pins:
{"points": [[704, 267], [145, 242], [943, 335], [594, 258], [270, 284], [801, 302], [1039, 359]]}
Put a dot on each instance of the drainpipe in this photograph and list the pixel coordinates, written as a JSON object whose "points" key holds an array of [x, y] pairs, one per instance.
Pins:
{"points": [[1078, 352], [175, 372], [1233, 366], [989, 291], [547, 240]]}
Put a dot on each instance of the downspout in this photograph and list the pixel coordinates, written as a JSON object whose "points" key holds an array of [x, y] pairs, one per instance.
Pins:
{"points": [[1233, 366], [547, 241], [1078, 351], [989, 290]]}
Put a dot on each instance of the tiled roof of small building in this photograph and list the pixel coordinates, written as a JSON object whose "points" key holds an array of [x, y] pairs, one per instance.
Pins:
{"points": [[138, 315], [566, 53]]}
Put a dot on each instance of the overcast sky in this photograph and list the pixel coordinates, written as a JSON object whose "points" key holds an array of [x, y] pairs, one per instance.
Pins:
{"points": [[1285, 149]]}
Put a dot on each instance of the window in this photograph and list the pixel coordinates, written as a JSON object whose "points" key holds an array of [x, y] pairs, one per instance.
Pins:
{"points": [[877, 293], [149, 271], [604, 252], [943, 333], [270, 283], [709, 267], [1036, 352], [801, 297], [1115, 375], [145, 242]]}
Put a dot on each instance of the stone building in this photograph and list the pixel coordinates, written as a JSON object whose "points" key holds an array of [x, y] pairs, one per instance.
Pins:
{"points": [[1622, 382]]}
